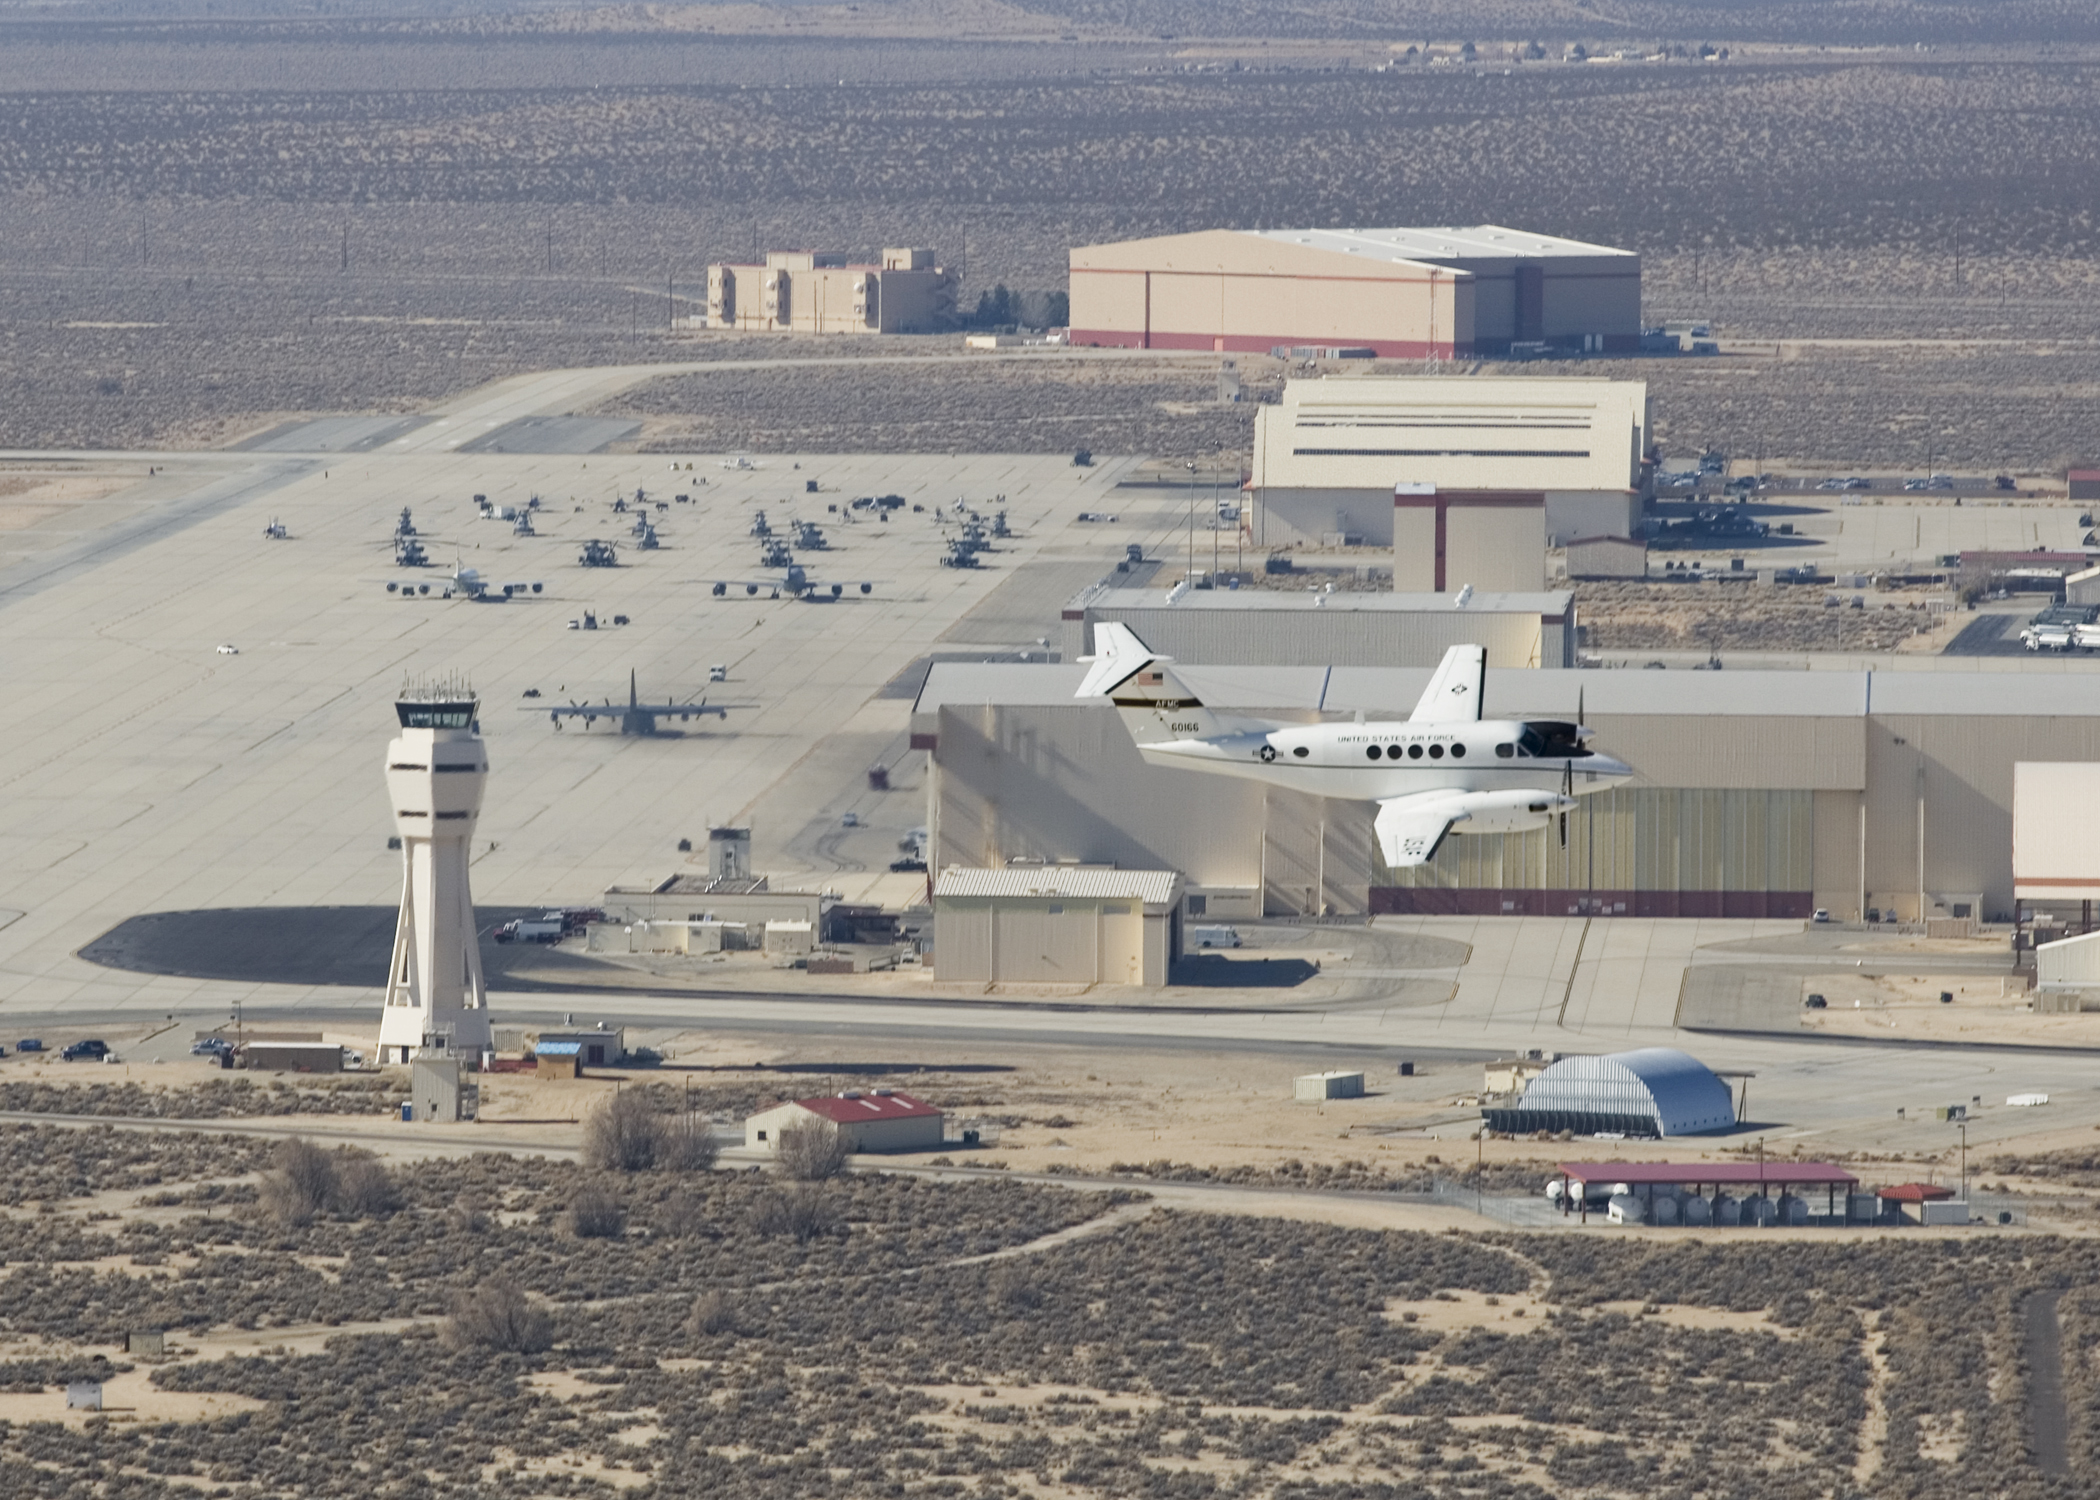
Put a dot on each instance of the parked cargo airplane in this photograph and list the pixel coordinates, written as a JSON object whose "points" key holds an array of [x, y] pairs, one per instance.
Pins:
{"points": [[1444, 770], [468, 583]]}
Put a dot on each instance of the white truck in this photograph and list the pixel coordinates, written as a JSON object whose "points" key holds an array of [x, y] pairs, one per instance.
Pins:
{"points": [[545, 928], [1213, 935]]}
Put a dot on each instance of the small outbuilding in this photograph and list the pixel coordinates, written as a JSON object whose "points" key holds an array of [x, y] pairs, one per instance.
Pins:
{"points": [[1055, 924], [1607, 557], [2084, 484], [83, 1395], [1314, 1087], [292, 1057], [874, 1120], [557, 1060], [601, 1047]]}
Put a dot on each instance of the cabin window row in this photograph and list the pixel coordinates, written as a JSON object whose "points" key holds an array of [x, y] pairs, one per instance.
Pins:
{"points": [[1416, 752]]}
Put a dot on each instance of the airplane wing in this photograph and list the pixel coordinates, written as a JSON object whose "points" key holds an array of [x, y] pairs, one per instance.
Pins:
{"points": [[1411, 829], [1453, 695]]}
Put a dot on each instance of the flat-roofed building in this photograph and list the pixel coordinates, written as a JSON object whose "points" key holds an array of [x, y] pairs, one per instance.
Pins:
{"points": [[1055, 925], [1351, 454], [820, 291], [1607, 557], [1272, 627], [1758, 794], [1436, 293]]}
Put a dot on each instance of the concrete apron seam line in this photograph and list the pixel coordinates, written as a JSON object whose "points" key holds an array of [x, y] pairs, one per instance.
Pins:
{"points": [[1581, 938]]}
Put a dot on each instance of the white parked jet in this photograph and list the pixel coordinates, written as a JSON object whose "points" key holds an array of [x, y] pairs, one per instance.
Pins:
{"points": [[1444, 770], [468, 583]]}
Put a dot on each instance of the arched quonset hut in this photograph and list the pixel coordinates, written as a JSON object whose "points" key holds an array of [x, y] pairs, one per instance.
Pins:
{"points": [[1655, 1091]]}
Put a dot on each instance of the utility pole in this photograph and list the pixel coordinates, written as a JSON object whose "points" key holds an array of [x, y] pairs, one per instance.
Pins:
{"points": [[1189, 576], [346, 248], [1965, 1165]]}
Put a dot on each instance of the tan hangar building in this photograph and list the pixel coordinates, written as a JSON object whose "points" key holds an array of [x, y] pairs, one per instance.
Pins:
{"points": [[1469, 481], [1385, 293], [819, 291]]}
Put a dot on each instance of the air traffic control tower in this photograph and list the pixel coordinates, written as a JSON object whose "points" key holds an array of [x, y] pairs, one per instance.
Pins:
{"points": [[435, 771]]}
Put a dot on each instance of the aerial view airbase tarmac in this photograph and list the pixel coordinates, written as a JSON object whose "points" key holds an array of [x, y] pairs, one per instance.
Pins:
{"points": [[159, 773], [197, 844]]}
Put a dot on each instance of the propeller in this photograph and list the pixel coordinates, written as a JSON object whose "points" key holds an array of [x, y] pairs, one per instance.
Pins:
{"points": [[1567, 789], [1567, 770]]}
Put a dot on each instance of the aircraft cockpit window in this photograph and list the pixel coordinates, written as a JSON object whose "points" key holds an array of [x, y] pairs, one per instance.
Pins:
{"points": [[1551, 740]]}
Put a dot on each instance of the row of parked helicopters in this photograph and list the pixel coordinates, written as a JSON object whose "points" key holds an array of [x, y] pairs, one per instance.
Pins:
{"points": [[974, 535]]}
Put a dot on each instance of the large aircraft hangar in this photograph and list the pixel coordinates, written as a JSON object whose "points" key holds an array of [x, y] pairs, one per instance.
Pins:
{"points": [[1759, 794]]}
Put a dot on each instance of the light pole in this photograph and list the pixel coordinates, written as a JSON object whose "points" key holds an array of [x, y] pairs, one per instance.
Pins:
{"points": [[1965, 1166], [1190, 576]]}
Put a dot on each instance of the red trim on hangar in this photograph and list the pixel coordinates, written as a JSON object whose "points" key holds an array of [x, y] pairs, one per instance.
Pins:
{"points": [[1427, 901], [1233, 343]]}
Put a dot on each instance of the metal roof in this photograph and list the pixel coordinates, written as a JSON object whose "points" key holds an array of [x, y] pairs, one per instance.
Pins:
{"points": [[2054, 694], [1545, 603], [1438, 245], [1551, 692], [1153, 887], [859, 1109], [1679, 1092], [1669, 1173]]}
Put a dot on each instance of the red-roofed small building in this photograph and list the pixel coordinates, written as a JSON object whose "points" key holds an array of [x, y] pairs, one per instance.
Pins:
{"points": [[877, 1120]]}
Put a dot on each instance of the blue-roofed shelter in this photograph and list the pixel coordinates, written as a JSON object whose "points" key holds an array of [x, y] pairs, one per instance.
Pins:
{"points": [[1654, 1091]]}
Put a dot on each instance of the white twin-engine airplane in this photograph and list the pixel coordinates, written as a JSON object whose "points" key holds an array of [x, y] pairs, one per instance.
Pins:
{"points": [[1444, 770]]}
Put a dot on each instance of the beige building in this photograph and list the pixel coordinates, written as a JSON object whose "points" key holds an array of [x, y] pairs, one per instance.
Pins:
{"points": [[875, 1120], [1336, 455], [1248, 628], [1055, 925], [1388, 293], [1607, 557], [818, 291], [1446, 540], [1759, 794]]}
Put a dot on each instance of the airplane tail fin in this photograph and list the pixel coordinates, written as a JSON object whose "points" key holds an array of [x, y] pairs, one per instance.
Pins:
{"points": [[1454, 695], [1150, 697]]}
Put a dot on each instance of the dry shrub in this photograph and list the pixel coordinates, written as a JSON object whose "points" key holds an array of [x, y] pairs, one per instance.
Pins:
{"points": [[595, 1214], [625, 1134], [364, 1189], [813, 1151], [689, 1145], [682, 1216], [801, 1212], [1013, 1286], [301, 1182], [713, 1313], [498, 1315]]}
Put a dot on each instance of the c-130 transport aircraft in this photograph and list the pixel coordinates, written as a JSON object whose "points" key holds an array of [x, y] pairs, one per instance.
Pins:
{"points": [[1443, 770]]}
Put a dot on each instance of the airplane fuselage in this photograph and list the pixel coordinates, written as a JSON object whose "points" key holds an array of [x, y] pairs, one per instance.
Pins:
{"points": [[1374, 761]]}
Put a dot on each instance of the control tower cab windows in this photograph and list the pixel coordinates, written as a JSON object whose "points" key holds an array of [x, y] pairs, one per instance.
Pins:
{"points": [[424, 715]]}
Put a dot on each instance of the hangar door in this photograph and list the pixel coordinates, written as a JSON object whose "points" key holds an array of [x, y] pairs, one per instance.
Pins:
{"points": [[1050, 943]]}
